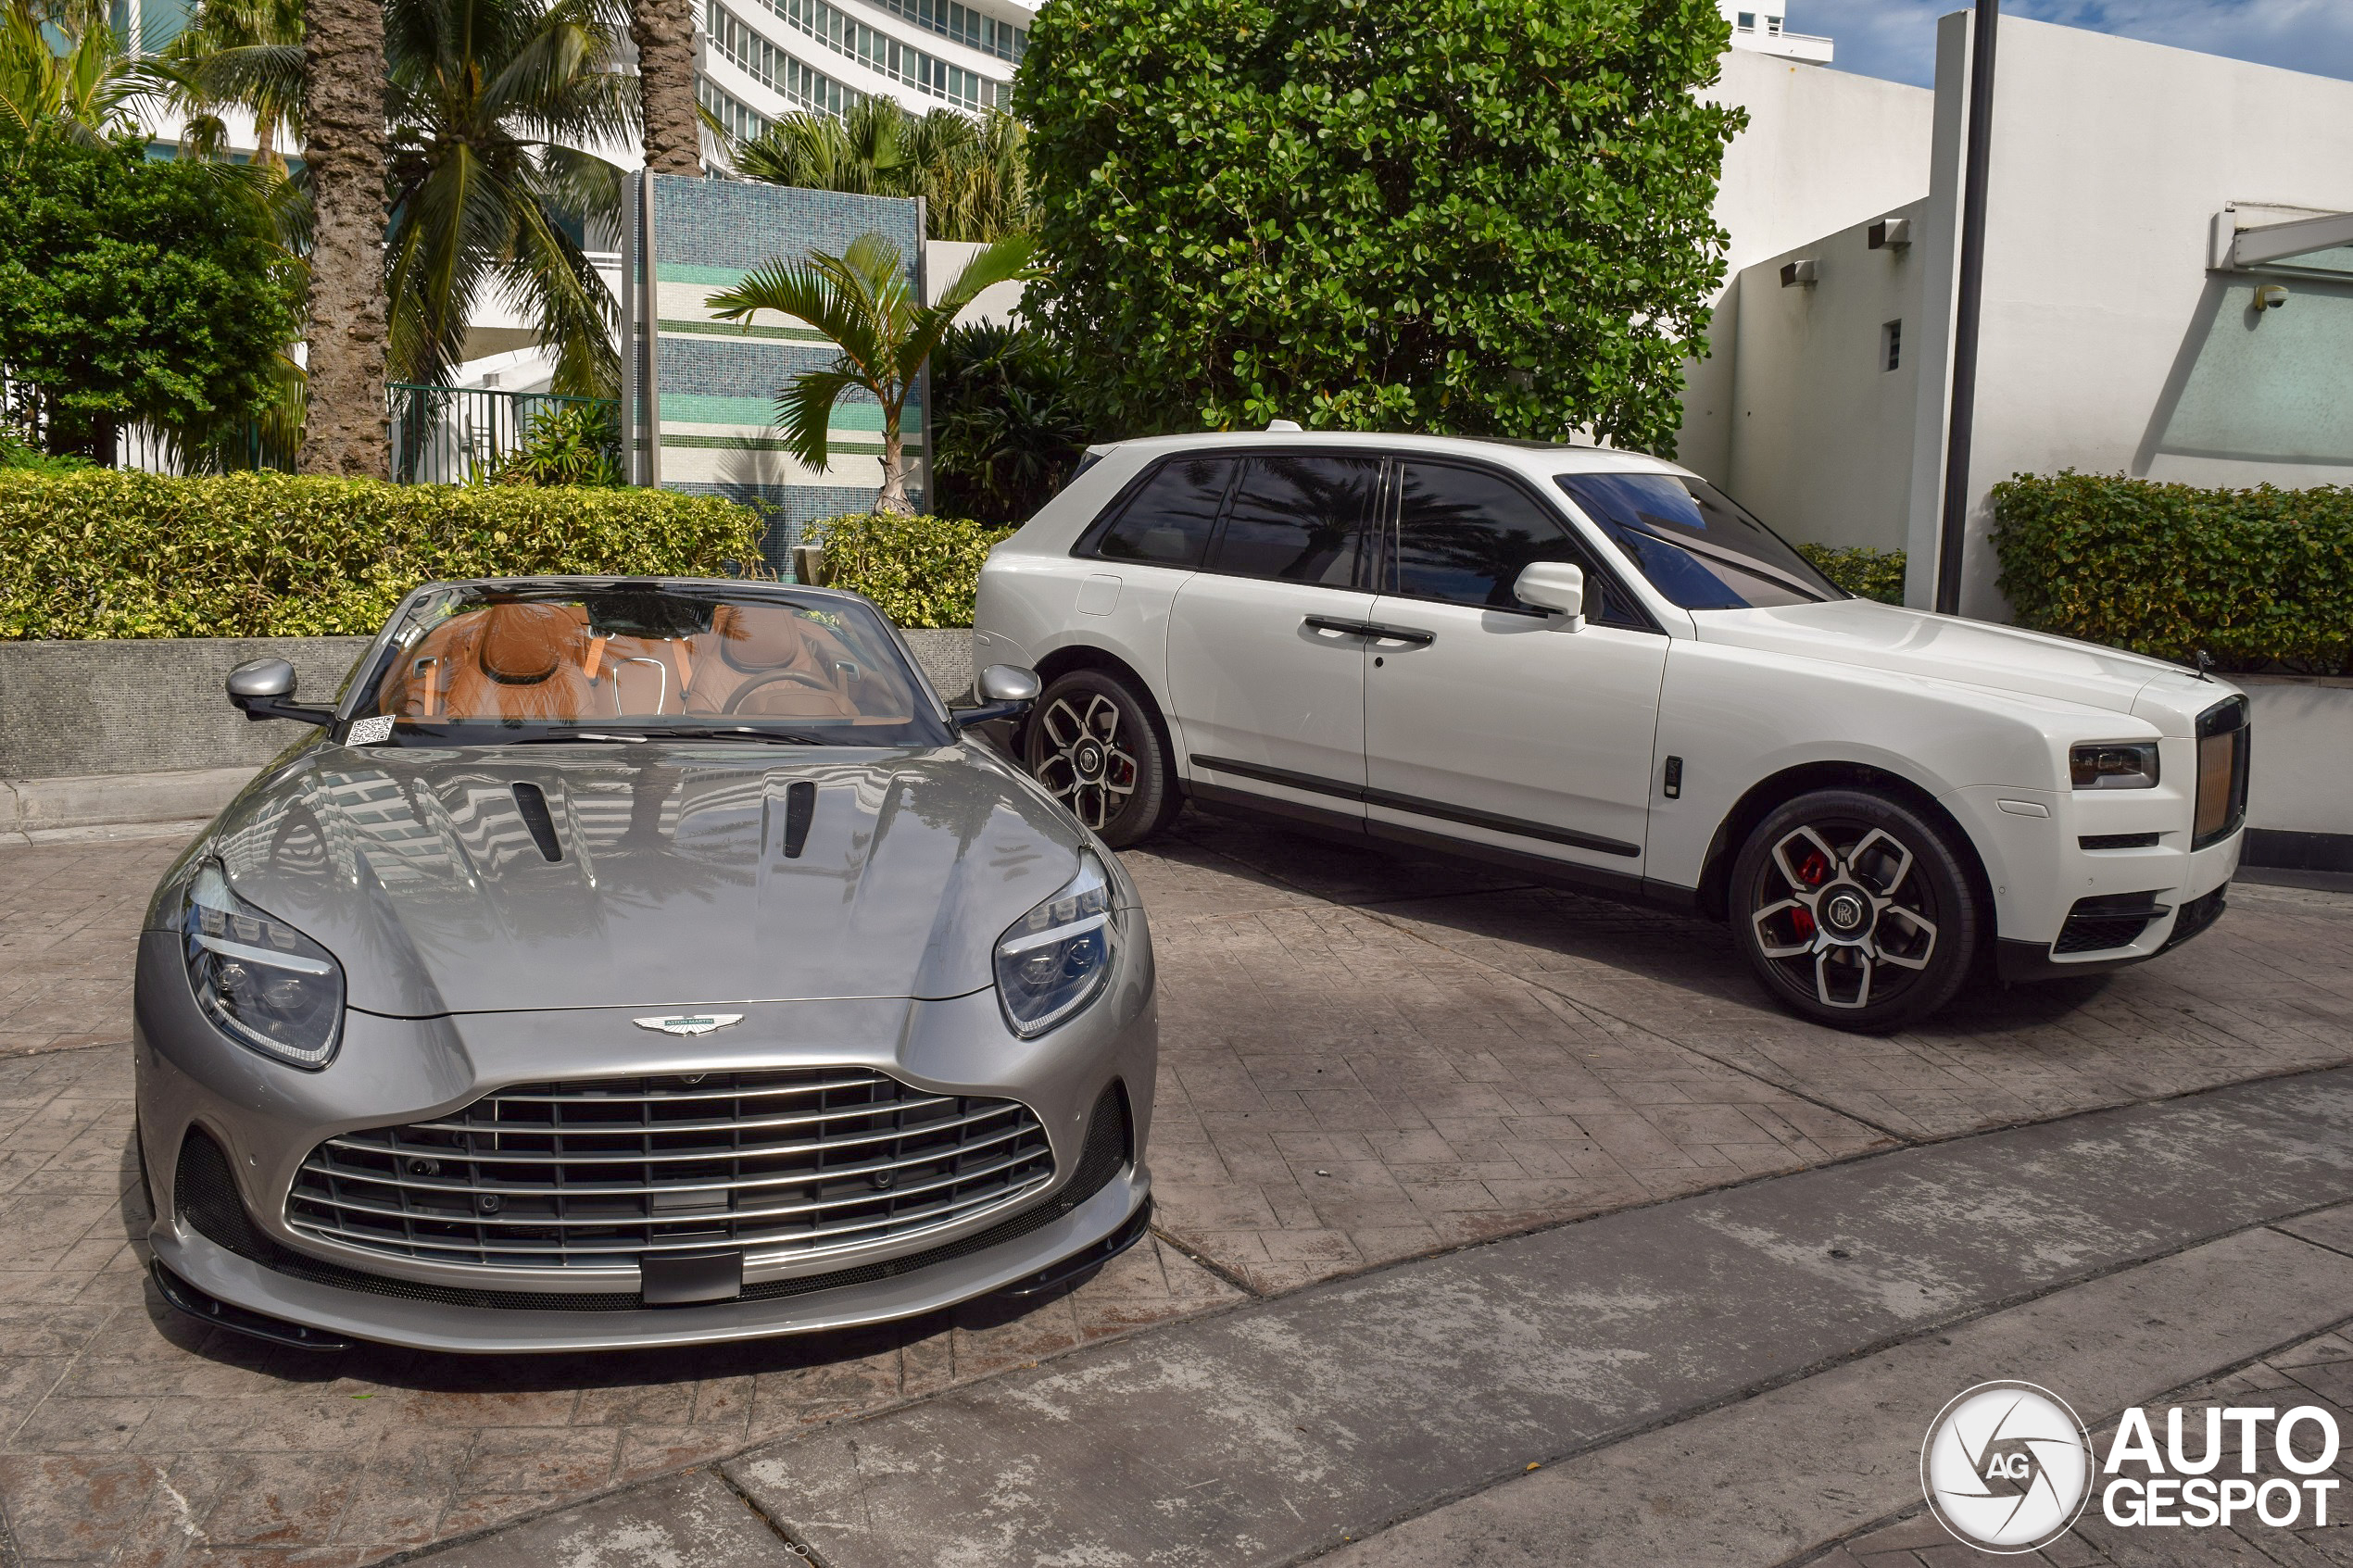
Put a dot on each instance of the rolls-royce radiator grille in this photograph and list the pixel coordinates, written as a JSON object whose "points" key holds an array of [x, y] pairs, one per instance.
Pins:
{"points": [[595, 1174]]}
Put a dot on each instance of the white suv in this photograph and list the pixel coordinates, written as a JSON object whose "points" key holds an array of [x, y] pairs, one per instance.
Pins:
{"points": [[1592, 666]]}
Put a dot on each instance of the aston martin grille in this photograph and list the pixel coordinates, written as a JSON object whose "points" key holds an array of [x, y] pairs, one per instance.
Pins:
{"points": [[595, 1174]]}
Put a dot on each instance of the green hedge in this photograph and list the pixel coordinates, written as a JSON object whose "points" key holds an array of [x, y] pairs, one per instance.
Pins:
{"points": [[106, 554], [1862, 571], [922, 570], [2254, 577]]}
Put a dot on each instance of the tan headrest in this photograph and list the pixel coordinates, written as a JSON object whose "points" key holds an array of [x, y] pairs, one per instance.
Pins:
{"points": [[524, 644], [757, 636]]}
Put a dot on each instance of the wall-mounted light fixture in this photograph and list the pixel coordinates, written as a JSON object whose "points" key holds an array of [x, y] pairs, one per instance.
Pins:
{"points": [[1890, 234], [2269, 297], [1796, 273]]}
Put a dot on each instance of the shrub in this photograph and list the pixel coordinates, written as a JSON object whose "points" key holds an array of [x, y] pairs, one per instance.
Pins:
{"points": [[1468, 216], [1862, 571], [107, 553], [2254, 577], [922, 570], [566, 444], [1005, 430]]}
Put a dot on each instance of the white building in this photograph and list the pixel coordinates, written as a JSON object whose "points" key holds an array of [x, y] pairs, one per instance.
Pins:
{"points": [[762, 58], [1756, 26]]}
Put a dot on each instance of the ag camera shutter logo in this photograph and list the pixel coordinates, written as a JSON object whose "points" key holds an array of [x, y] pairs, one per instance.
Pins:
{"points": [[2006, 1467]]}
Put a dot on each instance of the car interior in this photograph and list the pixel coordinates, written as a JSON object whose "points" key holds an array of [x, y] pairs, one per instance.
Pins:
{"points": [[585, 662]]}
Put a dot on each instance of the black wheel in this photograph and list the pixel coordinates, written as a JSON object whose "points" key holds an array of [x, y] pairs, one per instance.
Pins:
{"points": [[1856, 910], [1096, 742]]}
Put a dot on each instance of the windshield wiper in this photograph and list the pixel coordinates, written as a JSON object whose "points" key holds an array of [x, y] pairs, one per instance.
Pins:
{"points": [[556, 737], [744, 731]]}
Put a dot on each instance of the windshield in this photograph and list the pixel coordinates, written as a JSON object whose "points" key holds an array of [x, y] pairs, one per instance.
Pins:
{"points": [[489, 664], [1696, 543]]}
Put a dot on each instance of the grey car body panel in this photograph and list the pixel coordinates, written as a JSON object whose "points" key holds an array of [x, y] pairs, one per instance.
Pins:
{"points": [[471, 961], [416, 869]]}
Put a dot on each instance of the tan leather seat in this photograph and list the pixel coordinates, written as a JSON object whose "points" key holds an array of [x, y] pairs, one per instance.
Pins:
{"points": [[524, 664], [773, 663]]}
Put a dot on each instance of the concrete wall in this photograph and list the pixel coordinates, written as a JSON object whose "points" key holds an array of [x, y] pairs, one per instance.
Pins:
{"points": [[2107, 345], [74, 709], [1822, 430], [1823, 150]]}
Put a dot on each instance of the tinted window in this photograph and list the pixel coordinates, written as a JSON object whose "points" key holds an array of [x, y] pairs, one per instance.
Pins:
{"points": [[1694, 543], [1299, 520], [1463, 536], [1167, 522]]}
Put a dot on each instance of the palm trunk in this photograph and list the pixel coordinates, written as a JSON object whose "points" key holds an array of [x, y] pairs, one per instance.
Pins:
{"points": [[894, 464], [348, 427], [663, 31]]}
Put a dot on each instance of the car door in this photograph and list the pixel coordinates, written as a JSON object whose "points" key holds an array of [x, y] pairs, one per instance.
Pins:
{"points": [[1266, 660], [1488, 720]]}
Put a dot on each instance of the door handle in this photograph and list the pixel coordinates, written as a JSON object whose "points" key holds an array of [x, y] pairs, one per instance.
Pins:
{"points": [[1331, 624], [1413, 634]]}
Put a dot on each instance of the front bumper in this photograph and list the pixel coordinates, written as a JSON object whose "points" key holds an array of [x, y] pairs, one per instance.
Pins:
{"points": [[2053, 854], [265, 1118]]}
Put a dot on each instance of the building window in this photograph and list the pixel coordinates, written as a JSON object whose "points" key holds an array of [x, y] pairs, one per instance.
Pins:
{"points": [[1773, 25], [1747, 22], [1891, 345]]}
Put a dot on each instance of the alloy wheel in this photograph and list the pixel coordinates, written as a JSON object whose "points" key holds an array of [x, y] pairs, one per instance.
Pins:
{"points": [[1840, 914], [1086, 764]]}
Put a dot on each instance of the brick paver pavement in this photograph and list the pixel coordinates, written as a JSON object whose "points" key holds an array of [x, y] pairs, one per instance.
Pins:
{"points": [[1364, 1057]]}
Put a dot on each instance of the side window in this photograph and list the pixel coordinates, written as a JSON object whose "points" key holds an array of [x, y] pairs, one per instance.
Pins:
{"points": [[1167, 522], [1300, 519], [1465, 535]]}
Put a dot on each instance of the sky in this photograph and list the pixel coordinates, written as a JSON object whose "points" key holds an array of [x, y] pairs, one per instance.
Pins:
{"points": [[1897, 38]]}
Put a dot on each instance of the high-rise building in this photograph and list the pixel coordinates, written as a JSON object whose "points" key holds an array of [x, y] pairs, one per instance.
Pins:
{"points": [[762, 58], [1757, 25]]}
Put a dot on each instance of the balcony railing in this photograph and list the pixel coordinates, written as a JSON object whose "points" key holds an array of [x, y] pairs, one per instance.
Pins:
{"points": [[460, 435]]}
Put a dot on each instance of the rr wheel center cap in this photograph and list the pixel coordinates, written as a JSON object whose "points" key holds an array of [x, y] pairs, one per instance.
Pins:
{"points": [[1089, 761], [1846, 911]]}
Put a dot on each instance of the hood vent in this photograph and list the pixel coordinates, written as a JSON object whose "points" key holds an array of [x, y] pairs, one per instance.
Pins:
{"points": [[800, 805], [533, 804]]}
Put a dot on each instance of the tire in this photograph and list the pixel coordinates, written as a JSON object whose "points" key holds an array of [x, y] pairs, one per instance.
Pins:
{"points": [[1097, 744], [1856, 910]]}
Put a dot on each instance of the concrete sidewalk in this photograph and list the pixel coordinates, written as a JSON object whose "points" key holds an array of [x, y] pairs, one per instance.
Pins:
{"points": [[1740, 1377]]}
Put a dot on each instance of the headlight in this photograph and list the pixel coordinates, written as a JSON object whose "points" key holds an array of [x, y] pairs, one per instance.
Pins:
{"points": [[261, 983], [2114, 765], [1057, 958]]}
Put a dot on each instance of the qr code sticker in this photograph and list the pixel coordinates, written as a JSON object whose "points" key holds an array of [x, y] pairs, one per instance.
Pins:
{"points": [[368, 732]]}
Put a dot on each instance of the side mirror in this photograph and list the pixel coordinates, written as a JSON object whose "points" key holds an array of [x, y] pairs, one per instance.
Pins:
{"points": [[1006, 691], [263, 688], [1555, 587]]}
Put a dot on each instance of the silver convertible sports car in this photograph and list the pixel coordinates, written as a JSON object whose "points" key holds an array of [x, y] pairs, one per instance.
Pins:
{"points": [[635, 961]]}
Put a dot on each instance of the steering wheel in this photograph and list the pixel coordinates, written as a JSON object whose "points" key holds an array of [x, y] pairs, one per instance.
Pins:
{"points": [[776, 677]]}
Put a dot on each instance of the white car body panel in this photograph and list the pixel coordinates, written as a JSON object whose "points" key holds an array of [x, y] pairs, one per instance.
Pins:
{"points": [[1522, 718]]}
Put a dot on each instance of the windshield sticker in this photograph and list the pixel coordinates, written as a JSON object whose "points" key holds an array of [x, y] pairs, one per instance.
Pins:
{"points": [[370, 732]]}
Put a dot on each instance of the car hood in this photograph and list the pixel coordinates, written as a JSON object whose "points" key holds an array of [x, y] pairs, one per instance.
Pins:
{"points": [[418, 869], [1977, 653]]}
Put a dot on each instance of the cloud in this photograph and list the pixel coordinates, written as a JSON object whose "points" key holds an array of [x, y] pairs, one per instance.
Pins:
{"points": [[1897, 38]]}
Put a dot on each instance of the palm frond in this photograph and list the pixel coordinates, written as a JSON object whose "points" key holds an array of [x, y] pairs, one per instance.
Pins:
{"points": [[805, 412]]}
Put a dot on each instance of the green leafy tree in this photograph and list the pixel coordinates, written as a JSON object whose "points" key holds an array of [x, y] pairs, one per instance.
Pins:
{"points": [[1006, 432], [67, 73], [864, 300], [1481, 217], [137, 290]]}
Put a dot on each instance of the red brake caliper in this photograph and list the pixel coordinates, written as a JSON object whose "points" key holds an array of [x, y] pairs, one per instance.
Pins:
{"points": [[1812, 871]]}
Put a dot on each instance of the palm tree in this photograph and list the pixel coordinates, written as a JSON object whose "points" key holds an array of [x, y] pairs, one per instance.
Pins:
{"points": [[345, 150], [862, 299], [973, 175], [241, 54], [87, 89], [490, 100], [663, 31]]}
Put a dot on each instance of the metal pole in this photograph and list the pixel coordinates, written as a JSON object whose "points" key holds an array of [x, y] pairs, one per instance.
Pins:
{"points": [[1984, 23]]}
